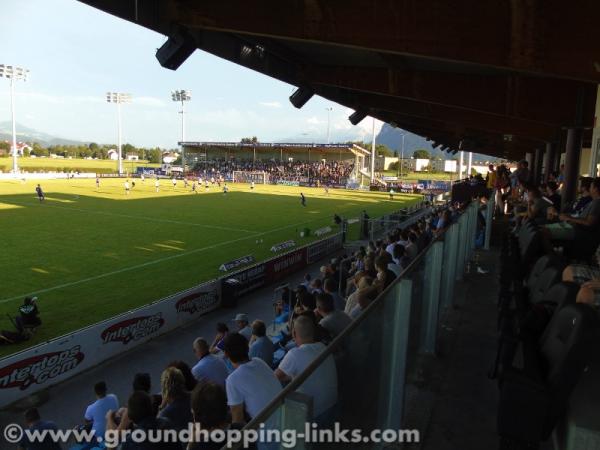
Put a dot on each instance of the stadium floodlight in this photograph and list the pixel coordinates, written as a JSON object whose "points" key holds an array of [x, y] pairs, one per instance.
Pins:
{"points": [[182, 96], [13, 73], [118, 98], [301, 96], [357, 116]]}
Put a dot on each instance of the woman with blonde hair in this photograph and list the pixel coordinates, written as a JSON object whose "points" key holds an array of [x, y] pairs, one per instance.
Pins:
{"points": [[175, 399]]}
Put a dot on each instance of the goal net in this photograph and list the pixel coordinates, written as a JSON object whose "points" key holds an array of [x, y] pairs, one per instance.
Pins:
{"points": [[241, 176]]}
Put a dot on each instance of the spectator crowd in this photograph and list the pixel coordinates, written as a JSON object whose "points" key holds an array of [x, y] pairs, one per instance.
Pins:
{"points": [[325, 173], [240, 370]]}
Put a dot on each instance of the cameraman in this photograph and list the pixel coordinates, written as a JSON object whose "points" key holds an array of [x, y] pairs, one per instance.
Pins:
{"points": [[28, 314]]}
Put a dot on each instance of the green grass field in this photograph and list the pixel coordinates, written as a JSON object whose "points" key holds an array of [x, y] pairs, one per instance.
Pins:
{"points": [[91, 255], [76, 164]]}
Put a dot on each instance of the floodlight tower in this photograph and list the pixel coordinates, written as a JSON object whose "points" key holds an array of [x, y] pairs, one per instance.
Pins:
{"points": [[118, 98], [13, 73], [182, 96]]}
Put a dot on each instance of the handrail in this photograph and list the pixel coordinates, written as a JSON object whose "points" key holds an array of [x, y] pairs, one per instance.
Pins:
{"points": [[336, 342]]}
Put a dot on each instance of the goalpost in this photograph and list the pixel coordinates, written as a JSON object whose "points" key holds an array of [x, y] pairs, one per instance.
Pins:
{"points": [[241, 176]]}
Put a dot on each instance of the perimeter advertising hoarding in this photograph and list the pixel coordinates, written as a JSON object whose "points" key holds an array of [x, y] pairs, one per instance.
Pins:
{"points": [[47, 364], [240, 283]]}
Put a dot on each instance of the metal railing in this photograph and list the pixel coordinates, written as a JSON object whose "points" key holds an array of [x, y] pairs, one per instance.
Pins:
{"points": [[377, 354]]}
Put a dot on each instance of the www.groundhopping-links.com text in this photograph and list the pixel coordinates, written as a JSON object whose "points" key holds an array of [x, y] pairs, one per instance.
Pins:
{"points": [[14, 434]]}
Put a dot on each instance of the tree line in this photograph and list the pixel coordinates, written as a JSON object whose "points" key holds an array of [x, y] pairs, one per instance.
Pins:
{"points": [[92, 150]]}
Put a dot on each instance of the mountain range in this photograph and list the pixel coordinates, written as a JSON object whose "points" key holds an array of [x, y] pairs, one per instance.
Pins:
{"points": [[392, 137], [25, 134]]}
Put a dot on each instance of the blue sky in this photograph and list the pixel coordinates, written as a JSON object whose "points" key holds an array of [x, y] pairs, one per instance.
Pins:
{"points": [[76, 54]]}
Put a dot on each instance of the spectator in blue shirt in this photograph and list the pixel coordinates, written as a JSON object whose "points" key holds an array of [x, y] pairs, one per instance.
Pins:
{"points": [[35, 423], [260, 345]]}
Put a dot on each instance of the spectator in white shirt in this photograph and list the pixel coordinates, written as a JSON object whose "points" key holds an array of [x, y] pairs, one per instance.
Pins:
{"points": [[95, 414], [333, 320], [209, 367], [241, 320], [252, 384], [411, 249], [321, 385]]}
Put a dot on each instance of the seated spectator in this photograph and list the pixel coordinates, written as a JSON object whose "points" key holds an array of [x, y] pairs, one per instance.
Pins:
{"points": [[143, 382], [333, 320], [260, 345], [175, 405], [330, 287], [252, 385], [139, 415], [304, 301], [307, 281], [400, 257], [385, 277], [352, 301], [209, 410], [186, 371], [321, 385], [365, 297], [370, 266], [241, 320], [590, 293], [553, 195], [585, 229], [218, 341], [209, 368], [316, 286], [581, 273], [95, 414], [34, 423], [411, 249], [536, 205]]}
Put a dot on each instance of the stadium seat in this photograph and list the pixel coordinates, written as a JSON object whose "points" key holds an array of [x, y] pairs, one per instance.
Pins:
{"points": [[534, 395]]}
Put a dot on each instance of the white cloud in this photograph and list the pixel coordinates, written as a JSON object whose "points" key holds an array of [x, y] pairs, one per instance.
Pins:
{"points": [[149, 101], [270, 104], [314, 120]]}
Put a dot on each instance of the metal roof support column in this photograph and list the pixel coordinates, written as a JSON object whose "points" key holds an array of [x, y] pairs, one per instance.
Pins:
{"points": [[572, 156], [548, 159], [537, 166]]}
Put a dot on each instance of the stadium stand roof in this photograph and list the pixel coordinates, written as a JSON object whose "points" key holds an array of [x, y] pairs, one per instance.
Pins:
{"points": [[500, 78]]}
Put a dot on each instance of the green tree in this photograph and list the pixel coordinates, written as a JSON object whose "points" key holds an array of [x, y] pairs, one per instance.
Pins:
{"points": [[249, 140], [421, 154], [383, 150], [154, 155]]}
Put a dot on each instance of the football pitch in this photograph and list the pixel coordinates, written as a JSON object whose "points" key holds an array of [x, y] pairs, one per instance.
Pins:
{"points": [[91, 254]]}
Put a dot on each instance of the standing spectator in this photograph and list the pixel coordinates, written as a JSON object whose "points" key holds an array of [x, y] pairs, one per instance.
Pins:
{"points": [[175, 399], [34, 423], [209, 368], [333, 320], [95, 414], [321, 385], [241, 320], [252, 385], [260, 345]]}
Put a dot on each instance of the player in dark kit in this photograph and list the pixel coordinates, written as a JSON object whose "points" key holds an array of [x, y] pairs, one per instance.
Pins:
{"points": [[40, 193], [302, 199]]}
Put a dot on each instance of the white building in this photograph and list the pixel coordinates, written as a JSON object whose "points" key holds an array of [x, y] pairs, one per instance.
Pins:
{"points": [[113, 154]]}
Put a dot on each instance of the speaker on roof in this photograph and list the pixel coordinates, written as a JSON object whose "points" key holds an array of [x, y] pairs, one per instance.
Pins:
{"points": [[176, 50]]}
